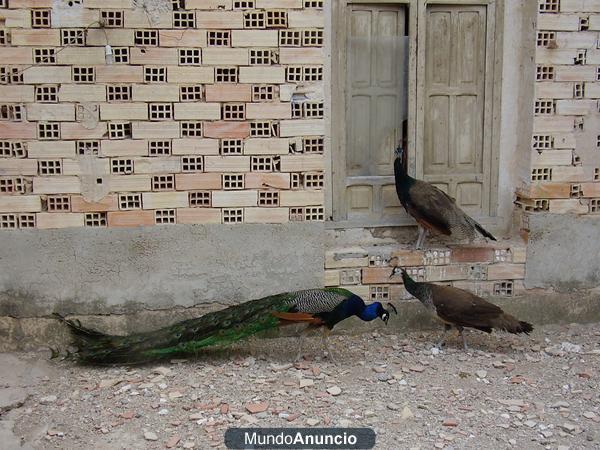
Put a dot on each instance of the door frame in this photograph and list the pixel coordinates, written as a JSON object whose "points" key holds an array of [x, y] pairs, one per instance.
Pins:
{"points": [[336, 102]]}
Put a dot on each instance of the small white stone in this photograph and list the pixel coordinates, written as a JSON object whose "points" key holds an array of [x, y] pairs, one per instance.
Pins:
{"points": [[334, 390], [150, 436]]}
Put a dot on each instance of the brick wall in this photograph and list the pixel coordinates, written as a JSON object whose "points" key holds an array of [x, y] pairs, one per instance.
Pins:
{"points": [[195, 121], [565, 151]]}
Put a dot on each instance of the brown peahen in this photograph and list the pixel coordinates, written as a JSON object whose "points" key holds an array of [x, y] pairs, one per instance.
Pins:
{"points": [[432, 208], [319, 308], [462, 309]]}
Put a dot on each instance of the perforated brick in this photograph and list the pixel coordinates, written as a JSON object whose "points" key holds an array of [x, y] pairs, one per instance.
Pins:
{"points": [[10, 75], [313, 144], [41, 18], [503, 288], [243, 4], [262, 128], [318, 4], [290, 38], [165, 216], [312, 38], [437, 257], [219, 38], [26, 220], [234, 111], [379, 293], [199, 199], [231, 146], [118, 93], [160, 111], [226, 74], [544, 107], [95, 219], [184, 19], [159, 148], [262, 164], [191, 128], [163, 182], [189, 56], [191, 93], [549, 6], [111, 19], [130, 201], [544, 38], [9, 221], [155, 74], [121, 166], [541, 174], [48, 131], [88, 147], [502, 255], [232, 181], [254, 19], [542, 142], [313, 180], [268, 198], [58, 203], [233, 215], [264, 92], [314, 213], [262, 57], [72, 37], [119, 130], [146, 38], [192, 164], [544, 73], [50, 167], [121, 55], [44, 56]]}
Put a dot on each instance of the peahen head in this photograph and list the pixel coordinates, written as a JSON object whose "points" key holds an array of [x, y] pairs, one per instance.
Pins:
{"points": [[375, 310], [399, 152]]}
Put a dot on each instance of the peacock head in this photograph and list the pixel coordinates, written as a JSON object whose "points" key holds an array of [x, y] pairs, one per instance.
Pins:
{"points": [[375, 310]]}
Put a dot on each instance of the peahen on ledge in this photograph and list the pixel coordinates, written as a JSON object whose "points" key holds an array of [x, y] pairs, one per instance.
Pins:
{"points": [[462, 309], [316, 307], [432, 208]]}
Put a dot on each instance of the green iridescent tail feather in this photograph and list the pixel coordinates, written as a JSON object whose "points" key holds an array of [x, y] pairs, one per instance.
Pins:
{"points": [[183, 338]]}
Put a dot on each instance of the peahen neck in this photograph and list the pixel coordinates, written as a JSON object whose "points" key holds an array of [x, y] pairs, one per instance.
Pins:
{"points": [[402, 178], [419, 290]]}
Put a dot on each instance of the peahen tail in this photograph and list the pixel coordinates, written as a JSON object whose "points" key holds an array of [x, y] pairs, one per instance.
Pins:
{"points": [[183, 338]]}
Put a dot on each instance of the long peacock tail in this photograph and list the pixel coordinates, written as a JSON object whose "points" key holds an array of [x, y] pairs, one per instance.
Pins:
{"points": [[183, 338]]}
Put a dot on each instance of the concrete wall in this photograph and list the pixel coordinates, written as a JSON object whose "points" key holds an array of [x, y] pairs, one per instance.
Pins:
{"points": [[563, 252], [83, 271]]}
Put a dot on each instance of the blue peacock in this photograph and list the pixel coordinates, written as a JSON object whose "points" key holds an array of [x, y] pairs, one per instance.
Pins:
{"points": [[318, 308]]}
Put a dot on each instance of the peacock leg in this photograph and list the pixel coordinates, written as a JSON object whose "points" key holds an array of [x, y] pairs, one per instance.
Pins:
{"points": [[421, 238], [464, 339], [327, 348], [300, 342], [442, 340]]}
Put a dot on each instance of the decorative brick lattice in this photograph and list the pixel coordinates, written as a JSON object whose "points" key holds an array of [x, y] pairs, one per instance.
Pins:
{"points": [[195, 100]]}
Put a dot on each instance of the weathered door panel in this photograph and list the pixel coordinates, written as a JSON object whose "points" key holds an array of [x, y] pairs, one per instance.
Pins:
{"points": [[375, 108], [455, 153]]}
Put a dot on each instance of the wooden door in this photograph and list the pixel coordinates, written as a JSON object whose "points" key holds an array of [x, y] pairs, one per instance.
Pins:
{"points": [[375, 106], [456, 153]]}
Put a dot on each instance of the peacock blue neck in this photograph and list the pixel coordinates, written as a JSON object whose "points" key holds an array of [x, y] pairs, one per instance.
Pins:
{"points": [[355, 306]]}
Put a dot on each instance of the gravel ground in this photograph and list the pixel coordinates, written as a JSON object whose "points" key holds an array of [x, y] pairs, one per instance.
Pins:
{"points": [[506, 392]]}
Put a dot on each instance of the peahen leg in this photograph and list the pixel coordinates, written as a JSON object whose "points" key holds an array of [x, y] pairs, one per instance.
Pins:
{"points": [[421, 238], [464, 339], [442, 340]]}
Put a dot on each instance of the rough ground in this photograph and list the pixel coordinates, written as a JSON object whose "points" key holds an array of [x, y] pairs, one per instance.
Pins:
{"points": [[506, 392]]}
